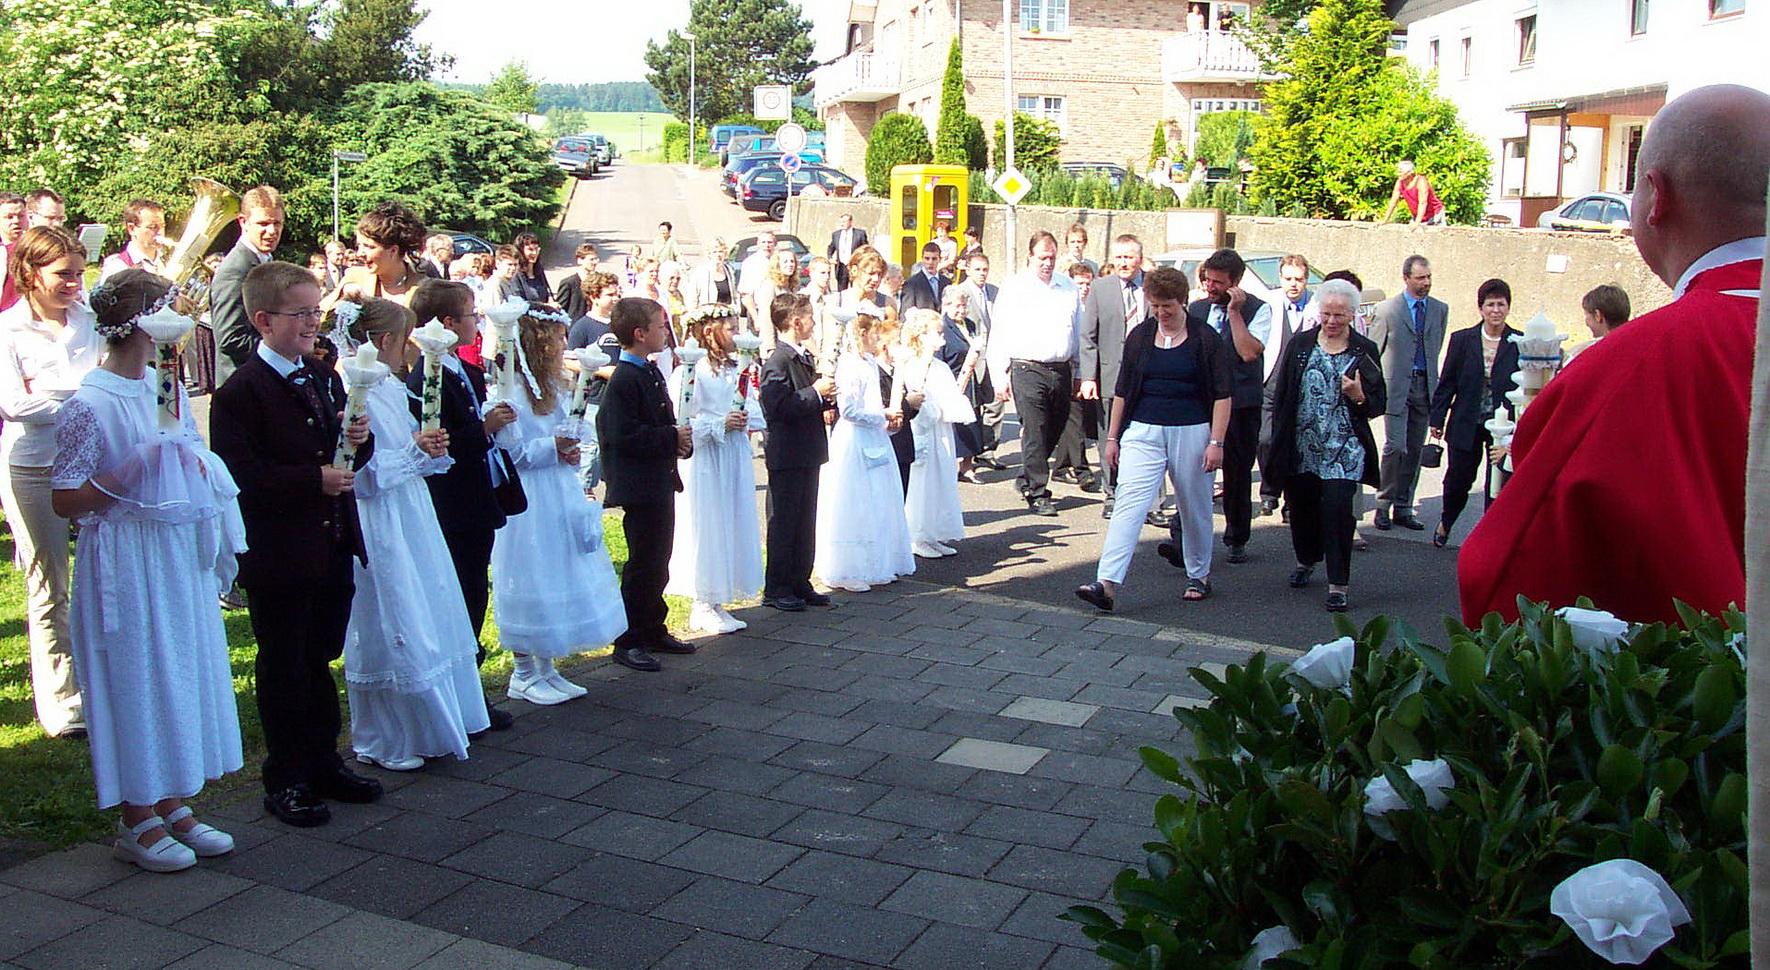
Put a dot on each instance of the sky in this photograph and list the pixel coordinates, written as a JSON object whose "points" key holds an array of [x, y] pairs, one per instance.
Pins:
{"points": [[577, 41]]}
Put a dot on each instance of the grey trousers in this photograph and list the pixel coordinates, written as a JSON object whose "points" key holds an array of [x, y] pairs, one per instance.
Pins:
{"points": [[1404, 436]]}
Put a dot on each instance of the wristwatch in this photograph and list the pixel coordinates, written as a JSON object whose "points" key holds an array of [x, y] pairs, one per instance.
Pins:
{"points": [[1213, 443]]}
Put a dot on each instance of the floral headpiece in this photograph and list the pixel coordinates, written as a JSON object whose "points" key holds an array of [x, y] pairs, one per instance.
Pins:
{"points": [[708, 311], [103, 299], [541, 311], [344, 316]]}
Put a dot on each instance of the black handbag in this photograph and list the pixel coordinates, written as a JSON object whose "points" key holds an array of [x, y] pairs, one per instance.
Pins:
{"points": [[1432, 455], [512, 500]]}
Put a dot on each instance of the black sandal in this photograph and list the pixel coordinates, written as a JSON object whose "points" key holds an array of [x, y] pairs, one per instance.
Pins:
{"points": [[1196, 589], [1300, 576], [1096, 595], [1337, 602], [1440, 536]]}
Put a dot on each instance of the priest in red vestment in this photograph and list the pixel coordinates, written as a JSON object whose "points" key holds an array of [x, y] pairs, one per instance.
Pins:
{"points": [[1630, 465]]}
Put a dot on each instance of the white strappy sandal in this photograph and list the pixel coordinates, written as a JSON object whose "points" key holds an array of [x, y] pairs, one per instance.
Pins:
{"points": [[166, 855], [205, 840]]}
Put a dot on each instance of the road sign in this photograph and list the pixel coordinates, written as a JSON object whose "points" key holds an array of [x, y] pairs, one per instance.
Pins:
{"points": [[790, 139], [791, 163], [774, 102], [1011, 186]]}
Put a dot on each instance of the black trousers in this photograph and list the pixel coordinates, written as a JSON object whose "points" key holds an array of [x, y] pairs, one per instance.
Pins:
{"points": [[471, 551], [300, 631], [1459, 477], [1240, 445], [1270, 488], [792, 531], [650, 529], [1072, 444], [1322, 524], [1041, 397]]}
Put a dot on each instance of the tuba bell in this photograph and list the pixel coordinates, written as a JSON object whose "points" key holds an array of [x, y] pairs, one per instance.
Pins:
{"points": [[214, 207]]}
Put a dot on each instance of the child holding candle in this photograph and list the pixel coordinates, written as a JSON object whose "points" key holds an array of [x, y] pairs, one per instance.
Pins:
{"points": [[553, 586], [718, 548], [863, 538], [408, 657], [794, 399], [936, 516], [159, 529]]}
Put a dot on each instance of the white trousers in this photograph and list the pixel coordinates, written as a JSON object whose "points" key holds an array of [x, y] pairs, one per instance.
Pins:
{"points": [[40, 549], [1146, 452]]}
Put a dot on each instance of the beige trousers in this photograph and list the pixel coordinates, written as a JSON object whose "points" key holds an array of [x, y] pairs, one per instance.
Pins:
{"points": [[40, 549]]}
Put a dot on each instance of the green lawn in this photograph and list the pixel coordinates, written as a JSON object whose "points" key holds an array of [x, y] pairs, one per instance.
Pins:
{"points": [[631, 131], [46, 793]]}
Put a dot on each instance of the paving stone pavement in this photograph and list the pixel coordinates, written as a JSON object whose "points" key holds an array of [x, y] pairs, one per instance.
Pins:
{"points": [[921, 777]]}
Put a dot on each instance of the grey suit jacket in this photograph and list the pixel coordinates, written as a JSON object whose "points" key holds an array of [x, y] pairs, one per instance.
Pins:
{"points": [[1392, 330], [1103, 333], [236, 340], [980, 304]]}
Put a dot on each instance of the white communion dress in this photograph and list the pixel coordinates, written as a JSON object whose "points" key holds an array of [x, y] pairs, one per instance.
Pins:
{"points": [[554, 591], [933, 507], [147, 634], [409, 652], [717, 555], [863, 538]]}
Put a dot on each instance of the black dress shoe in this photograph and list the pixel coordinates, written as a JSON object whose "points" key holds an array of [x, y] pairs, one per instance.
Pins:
{"points": [[498, 719], [1095, 594], [1409, 522], [670, 644], [343, 785], [1337, 602], [1381, 520], [1091, 484], [989, 462], [1041, 506], [789, 604], [1065, 475], [1267, 507], [298, 806], [1172, 553], [637, 658], [1238, 552], [1300, 576], [814, 598], [1159, 519], [72, 734], [1440, 536]]}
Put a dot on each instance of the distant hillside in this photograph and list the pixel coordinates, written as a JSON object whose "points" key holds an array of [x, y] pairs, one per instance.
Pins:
{"points": [[608, 96]]}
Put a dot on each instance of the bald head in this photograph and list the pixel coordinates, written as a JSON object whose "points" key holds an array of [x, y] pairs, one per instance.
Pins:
{"points": [[1705, 166]]}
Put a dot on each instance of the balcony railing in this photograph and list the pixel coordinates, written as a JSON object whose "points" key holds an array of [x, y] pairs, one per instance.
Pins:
{"points": [[860, 76], [1208, 55]]}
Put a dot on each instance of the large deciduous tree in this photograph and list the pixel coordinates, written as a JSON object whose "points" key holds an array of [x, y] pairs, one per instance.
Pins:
{"points": [[739, 44]]}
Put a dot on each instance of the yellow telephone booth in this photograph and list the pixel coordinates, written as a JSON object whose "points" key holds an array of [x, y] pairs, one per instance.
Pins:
{"points": [[922, 195]]}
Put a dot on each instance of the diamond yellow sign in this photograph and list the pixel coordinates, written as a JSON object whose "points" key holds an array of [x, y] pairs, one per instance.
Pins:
{"points": [[1011, 186]]}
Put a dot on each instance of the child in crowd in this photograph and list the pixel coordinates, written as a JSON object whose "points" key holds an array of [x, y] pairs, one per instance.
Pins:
{"points": [[718, 547], [862, 536], [932, 506], [794, 400], [159, 530], [408, 654], [553, 586]]}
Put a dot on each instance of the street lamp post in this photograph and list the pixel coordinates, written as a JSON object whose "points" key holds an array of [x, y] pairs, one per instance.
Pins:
{"points": [[337, 157], [1008, 115], [691, 52]]}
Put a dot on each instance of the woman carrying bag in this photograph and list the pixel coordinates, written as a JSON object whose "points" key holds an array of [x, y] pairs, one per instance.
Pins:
{"points": [[1478, 370]]}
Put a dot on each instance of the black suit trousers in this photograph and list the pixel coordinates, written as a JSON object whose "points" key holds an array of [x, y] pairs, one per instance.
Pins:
{"points": [[471, 550], [1041, 398], [1240, 446], [792, 531], [300, 631], [650, 529], [1322, 523]]}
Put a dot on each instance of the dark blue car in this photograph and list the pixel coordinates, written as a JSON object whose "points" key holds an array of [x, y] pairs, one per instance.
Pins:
{"points": [[766, 188]]}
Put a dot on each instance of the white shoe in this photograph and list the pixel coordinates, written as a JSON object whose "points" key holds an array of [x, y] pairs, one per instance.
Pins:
{"points": [[205, 840], [732, 623], [166, 855], [944, 549], [392, 764], [927, 550], [705, 618], [556, 680], [528, 682], [852, 587]]}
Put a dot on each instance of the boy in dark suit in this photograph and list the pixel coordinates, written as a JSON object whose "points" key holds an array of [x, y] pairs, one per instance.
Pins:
{"points": [[276, 423], [794, 399], [636, 427], [465, 505]]}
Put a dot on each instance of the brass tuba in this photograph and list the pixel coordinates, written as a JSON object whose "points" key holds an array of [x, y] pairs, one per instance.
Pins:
{"points": [[215, 206]]}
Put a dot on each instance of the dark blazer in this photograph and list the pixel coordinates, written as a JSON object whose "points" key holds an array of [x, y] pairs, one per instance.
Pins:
{"points": [[636, 428], [569, 296], [1213, 362], [274, 445], [463, 494], [433, 269], [1281, 463], [918, 293], [1104, 328], [903, 440], [1392, 331], [794, 412], [236, 340], [1247, 377], [1459, 386], [860, 239]]}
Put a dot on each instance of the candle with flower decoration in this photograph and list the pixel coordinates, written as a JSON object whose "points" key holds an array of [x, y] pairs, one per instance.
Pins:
{"points": [[1539, 355], [691, 354], [168, 328], [503, 318], [435, 340], [590, 360], [361, 372], [747, 345]]}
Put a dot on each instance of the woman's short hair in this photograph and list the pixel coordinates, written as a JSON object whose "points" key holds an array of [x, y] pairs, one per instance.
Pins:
{"points": [[866, 259], [1339, 289], [37, 248], [507, 251], [1608, 301], [1491, 289], [392, 224], [1166, 283]]}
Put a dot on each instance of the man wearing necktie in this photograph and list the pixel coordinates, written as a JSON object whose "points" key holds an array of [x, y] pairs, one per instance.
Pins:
{"points": [[843, 242], [922, 290], [1295, 314], [1114, 307], [1409, 333]]}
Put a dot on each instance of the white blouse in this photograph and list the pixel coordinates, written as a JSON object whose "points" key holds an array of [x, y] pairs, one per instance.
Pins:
{"points": [[38, 372]]}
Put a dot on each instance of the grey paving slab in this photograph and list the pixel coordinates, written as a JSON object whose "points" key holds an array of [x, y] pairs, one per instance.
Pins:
{"points": [[1015, 759], [562, 743], [293, 862], [542, 816], [634, 836], [447, 797], [964, 855], [417, 835], [1123, 698], [1011, 824], [737, 743], [599, 936], [707, 950], [817, 727], [1173, 702], [483, 761], [738, 714], [739, 813], [735, 775], [629, 884], [968, 699], [904, 714], [1111, 804], [946, 947], [391, 886], [643, 796], [263, 919], [34, 919], [892, 739], [365, 941], [517, 859], [926, 810], [827, 703], [898, 770], [831, 792], [1048, 870], [153, 898], [479, 955], [989, 727], [1020, 791], [1037, 917], [887, 689], [494, 913], [733, 856], [1065, 713], [826, 759], [830, 875], [1088, 769], [841, 930], [652, 758], [1072, 958], [71, 873], [961, 900], [547, 776], [348, 820], [113, 943], [955, 675], [216, 956], [735, 908], [838, 832]]}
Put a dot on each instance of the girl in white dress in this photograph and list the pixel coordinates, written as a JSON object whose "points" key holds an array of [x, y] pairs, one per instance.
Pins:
{"points": [[553, 588], [936, 516], [862, 536], [717, 556], [159, 530], [409, 652]]}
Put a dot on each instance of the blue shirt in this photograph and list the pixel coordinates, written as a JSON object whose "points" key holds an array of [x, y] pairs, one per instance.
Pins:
{"points": [[632, 358]]}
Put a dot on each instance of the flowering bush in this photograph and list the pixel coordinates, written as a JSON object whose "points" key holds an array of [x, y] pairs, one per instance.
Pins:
{"points": [[1538, 759]]}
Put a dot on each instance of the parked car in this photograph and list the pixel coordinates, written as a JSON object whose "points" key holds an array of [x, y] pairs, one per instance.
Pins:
{"points": [[722, 136], [1260, 281], [741, 165], [741, 250], [1597, 212], [1114, 173], [577, 163], [605, 151], [467, 242], [766, 188], [766, 145]]}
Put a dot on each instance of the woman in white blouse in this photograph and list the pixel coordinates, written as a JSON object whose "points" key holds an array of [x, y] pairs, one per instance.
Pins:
{"points": [[47, 345]]}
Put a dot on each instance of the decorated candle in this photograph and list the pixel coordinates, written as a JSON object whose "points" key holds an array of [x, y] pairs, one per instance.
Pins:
{"points": [[435, 340], [168, 328], [590, 360], [361, 372], [691, 354], [747, 344], [504, 317]]}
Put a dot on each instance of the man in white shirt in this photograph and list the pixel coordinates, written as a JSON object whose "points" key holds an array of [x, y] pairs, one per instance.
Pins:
{"points": [[1031, 359], [144, 222], [753, 272], [261, 229]]}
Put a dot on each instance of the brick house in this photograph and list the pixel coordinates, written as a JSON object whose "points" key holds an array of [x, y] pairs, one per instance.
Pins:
{"points": [[1106, 71]]}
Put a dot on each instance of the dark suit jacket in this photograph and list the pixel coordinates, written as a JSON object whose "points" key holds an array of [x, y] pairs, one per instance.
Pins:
{"points": [[903, 440], [834, 250], [463, 494], [236, 340], [636, 428], [1459, 386], [274, 445], [569, 296], [1247, 376], [1281, 461], [794, 412], [918, 293], [1104, 328]]}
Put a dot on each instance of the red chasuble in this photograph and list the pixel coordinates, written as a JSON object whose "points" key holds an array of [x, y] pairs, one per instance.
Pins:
{"points": [[1630, 483]]}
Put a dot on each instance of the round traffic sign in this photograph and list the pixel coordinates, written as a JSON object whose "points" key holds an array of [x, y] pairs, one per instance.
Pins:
{"points": [[790, 138], [791, 163]]}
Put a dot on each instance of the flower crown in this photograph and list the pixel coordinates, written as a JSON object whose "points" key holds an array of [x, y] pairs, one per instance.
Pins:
{"points": [[708, 311], [344, 316], [104, 299], [540, 311]]}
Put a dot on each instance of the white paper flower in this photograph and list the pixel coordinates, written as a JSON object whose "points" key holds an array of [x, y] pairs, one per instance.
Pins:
{"points": [[1326, 664], [506, 314], [1621, 910], [1268, 943], [1594, 631], [1381, 798]]}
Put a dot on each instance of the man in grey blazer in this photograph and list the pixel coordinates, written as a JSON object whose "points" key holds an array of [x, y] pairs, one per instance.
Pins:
{"points": [[1115, 306], [1409, 333], [261, 229], [980, 303]]}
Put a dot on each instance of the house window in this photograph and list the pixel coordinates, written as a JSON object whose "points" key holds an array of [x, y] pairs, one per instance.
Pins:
{"points": [[1527, 40], [1045, 16], [1637, 17], [1632, 157], [1725, 8], [925, 21], [1432, 54], [1046, 106], [1511, 168], [1468, 56]]}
